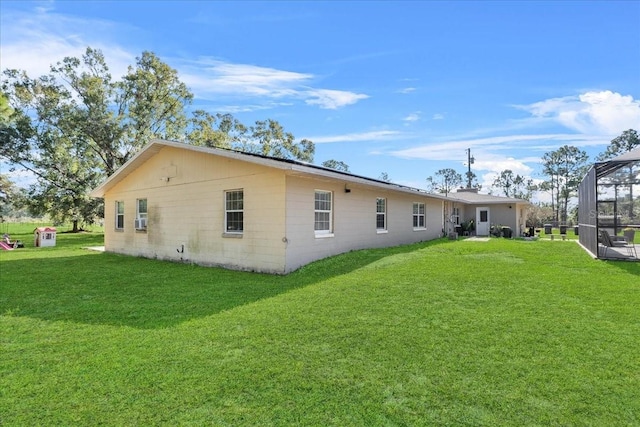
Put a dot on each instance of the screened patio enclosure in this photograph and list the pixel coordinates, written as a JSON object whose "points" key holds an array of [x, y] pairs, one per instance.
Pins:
{"points": [[609, 200]]}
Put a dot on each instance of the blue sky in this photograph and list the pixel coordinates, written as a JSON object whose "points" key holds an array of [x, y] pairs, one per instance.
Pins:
{"points": [[397, 87]]}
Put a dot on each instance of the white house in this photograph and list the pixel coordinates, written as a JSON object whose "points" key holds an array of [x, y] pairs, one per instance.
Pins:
{"points": [[243, 211], [486, 210]]}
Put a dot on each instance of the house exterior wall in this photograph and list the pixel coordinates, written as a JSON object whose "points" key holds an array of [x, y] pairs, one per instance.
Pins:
{"points": [[185, 196], [502, 215], [467, 212], [453, 215], [186, 213], [499, 215], [354, 219]]}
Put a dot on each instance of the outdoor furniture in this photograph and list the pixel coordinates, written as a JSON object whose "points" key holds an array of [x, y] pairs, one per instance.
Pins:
{"points": [[607, 242], [630, 236]]}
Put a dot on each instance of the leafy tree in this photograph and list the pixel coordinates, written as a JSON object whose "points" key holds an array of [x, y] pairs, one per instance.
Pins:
{"points": [[67, 174], [574, 165], [444, 181], [76, 125], [115, 118], [11, 198], [621, 144], [539, 214], [551, 168], [267, 137], [506, 181], [5, 110], [472, 178], [336, 164], [10, 195], [100, 123], [514, 185], [152, 101], [627, 141], [565, 167], [219, 130]]}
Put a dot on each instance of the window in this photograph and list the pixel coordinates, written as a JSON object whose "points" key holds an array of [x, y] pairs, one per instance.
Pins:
{"points": [[141, 214], [418, 215], [323, 214], [119, 215], [381, 214], [455, 217], [234, 211]]}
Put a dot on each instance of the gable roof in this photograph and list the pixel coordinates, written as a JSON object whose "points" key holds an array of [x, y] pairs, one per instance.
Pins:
{"points": [[292, 166]]}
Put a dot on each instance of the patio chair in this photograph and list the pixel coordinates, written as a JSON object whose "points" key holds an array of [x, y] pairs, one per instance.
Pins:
{"points": [[606, 241], [629, 236]]}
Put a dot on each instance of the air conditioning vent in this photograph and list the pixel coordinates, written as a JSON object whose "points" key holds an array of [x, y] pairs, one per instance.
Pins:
{"points": [[140, 223]]}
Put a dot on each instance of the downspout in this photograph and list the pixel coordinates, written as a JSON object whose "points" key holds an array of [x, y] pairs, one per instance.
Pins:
{"points": [[445, 208]]}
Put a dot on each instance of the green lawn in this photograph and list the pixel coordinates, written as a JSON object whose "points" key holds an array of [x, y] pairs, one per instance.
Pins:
{"points": [[505, 332]]}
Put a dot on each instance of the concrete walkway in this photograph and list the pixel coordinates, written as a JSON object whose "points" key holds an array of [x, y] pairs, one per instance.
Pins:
{"points": [[477, 239]]}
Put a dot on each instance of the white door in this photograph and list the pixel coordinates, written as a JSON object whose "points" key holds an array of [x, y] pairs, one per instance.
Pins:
{"points": [[483, 223]]}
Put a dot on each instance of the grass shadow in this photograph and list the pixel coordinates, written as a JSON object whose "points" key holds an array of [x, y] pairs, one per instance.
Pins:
{"points": [[629, 265], [104, 288]]}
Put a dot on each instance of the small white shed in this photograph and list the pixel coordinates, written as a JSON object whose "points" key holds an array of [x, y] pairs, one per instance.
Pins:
{"points": [[44, 236]]}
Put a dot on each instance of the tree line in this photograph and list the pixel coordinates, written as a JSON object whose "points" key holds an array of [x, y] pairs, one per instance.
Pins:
{"points": [[563, 170], [76, 125]]}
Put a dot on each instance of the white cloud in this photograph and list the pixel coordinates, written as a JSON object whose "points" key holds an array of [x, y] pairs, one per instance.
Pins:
{"points": [[497, 164], [355, 137], [332, 99], [413, 117], [34, 41], [600, 113], [454, 149], [489, 152], [209, 78], [594, 116], [407, 90], [450, 150], [234, 109], [438, 116]]}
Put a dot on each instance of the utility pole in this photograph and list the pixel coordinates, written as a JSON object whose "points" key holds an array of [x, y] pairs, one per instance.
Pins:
{"points": [[470, 161]]}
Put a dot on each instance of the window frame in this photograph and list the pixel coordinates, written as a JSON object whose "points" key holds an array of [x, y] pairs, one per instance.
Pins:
{"points": [[231, 210], [456, 215], [417, 216], [142, 215], [316, 211], [119, 225], [381, 214]]}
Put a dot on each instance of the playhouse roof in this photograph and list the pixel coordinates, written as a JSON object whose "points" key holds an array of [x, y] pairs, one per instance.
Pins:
{"points": [[45, 229]]}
